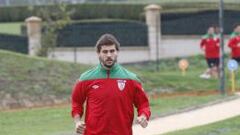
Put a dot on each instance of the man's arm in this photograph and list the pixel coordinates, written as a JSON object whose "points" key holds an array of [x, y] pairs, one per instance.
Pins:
{"points": [[202, 44], [142, 104], [232, 43], [78, 99]]}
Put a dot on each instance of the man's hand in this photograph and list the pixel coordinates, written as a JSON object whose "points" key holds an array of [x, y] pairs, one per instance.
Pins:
{"points": [[80, 127], [142, 120]]}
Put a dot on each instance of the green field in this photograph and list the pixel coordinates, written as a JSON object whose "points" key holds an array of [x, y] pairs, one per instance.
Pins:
{"points": [[168, 105], [45, 121], [24, 77], [226, 127], [170, 77], [13, 28], [45, 78], [57, 121]]}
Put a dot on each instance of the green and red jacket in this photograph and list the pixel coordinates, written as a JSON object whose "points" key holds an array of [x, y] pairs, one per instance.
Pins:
{"points": [[234, 44], [210, 44], [110, 97]]}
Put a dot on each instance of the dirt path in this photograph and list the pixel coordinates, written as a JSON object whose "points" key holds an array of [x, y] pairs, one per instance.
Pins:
{"points": [[202, 116]]}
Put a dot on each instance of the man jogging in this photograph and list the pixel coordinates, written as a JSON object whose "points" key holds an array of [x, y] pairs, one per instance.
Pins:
{"points": [[110, 92], [234, 44], [210, 45]]}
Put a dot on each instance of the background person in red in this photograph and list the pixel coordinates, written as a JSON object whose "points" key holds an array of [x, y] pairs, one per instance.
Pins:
{"points": [[110, 92], [234, 44], [210, 45]]}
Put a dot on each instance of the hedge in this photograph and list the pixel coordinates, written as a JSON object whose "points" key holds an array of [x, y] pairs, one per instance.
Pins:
{"points": [[105, 10], [129, 33], [86, 32], [197, 23], [14, 43], [80, 11]]}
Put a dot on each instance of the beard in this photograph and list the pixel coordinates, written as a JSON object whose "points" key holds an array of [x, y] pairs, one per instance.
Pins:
{"points": [[108, 63], [210, 35], [108, 66]]}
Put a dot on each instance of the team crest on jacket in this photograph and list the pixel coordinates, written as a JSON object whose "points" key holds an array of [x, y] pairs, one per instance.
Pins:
{"points": [[121, 84]]}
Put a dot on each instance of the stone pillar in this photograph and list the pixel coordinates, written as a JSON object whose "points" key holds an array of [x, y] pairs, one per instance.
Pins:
{"points": [[34, 27], [154, 29]]}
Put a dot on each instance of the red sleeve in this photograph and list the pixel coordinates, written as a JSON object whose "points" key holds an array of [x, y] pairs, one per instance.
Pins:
{"points": [[78, 99], [232, 43], [141, 101], [218, 43], [202, 43]]}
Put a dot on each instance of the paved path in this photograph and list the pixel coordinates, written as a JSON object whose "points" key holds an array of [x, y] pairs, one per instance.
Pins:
{"points": [[190, 119]]}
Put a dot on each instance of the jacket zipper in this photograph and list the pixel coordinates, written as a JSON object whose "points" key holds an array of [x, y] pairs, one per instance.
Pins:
{"points": [[108, 73]]}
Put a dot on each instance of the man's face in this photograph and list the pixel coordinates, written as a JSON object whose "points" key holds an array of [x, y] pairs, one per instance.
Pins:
{"points": [[237, 29], [108, 55], [211, 31]]}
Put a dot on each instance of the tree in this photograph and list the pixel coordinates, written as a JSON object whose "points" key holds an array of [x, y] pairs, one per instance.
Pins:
{"points": [[55, 19]]}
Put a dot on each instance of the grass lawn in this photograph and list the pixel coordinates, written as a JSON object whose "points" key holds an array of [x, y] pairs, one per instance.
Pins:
{"points": [[46, 77], [11, 28], [173, 81], [166, 105], [57, 121], [169, 78], [42, 121], [226, 127], [40, 78], [24, 77]]}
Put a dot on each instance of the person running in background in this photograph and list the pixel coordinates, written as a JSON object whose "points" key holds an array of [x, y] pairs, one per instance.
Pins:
{"points": [[234, 44], [217, 31], [233, 34], [210, 45]]}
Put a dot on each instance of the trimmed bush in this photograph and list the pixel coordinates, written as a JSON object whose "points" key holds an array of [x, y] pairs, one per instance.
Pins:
{"points": [[14, 43], [128, 11], [129, 33], [196, 23], [80, 11]]}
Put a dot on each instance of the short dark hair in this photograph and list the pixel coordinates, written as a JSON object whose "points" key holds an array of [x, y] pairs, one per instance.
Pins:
{"points": [[236, 25], [107, 39]]}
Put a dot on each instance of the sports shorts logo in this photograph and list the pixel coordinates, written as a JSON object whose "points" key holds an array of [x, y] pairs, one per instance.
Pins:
{"points": [[121, 84]]}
